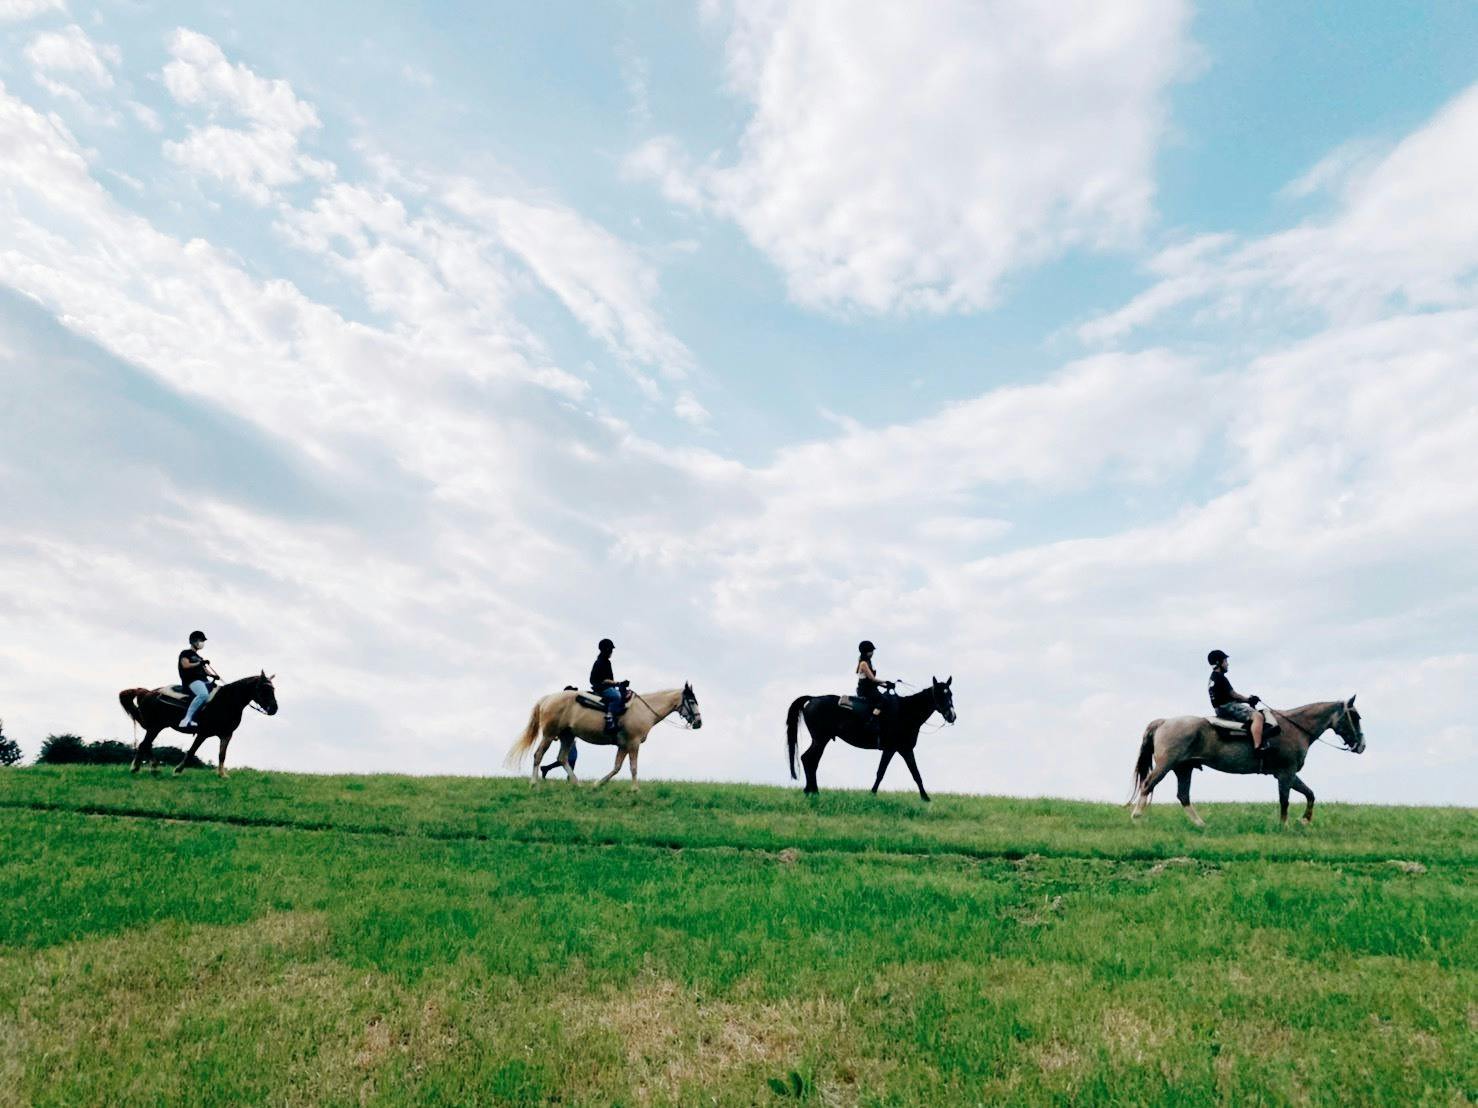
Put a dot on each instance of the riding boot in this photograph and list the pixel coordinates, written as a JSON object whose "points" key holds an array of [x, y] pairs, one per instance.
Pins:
{"points": [[611, 725]]}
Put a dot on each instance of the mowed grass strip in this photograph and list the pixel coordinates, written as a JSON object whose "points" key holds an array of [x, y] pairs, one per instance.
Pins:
{"points": [[146, 960], [747, 816]]}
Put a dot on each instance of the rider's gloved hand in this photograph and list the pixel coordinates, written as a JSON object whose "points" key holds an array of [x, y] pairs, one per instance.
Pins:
{"points": [[1253, 701]]}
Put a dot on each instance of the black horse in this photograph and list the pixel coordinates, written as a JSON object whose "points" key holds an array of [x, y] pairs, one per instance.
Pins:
{"points": [[155, 712], [826, 719]]}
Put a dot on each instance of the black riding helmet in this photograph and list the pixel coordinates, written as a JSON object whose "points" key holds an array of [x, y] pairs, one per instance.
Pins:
{"points": [[604, 645], [197, 636], [1216, 657], [865, 647]]}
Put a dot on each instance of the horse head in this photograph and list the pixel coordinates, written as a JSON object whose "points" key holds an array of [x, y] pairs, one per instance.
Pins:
{"points": [[688, 707], [1347, 727], [944, 697], [265, 695]]}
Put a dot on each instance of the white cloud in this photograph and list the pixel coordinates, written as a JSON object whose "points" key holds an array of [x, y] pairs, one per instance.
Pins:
{"points": [[911, 159], [18, 11], [1406, 231], [255, 160]]}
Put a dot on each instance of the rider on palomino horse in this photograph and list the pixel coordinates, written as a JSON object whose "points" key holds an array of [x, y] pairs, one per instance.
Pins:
{"points": [[196, 676], [1227, 702], [603, 682]]}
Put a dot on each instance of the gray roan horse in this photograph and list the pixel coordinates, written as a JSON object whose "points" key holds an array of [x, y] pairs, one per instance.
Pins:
{"points": [[560, 716], [1186, 743]]}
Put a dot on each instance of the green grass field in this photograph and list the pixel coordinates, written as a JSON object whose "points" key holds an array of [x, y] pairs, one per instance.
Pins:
{"points": [[289, 939]]}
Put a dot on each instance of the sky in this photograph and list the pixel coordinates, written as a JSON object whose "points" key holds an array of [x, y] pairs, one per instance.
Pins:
{"points": [[409, 350]]}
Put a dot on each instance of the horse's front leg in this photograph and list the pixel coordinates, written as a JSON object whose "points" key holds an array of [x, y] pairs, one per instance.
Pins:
{"points": [[1298, 785], [221, 758], [185, 761], [913, 768], [635, 748], [1284, 784], [882, 767], [620, 757]]}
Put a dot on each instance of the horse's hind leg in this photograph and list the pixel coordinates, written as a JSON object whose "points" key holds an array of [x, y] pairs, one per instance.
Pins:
{"points": [[1183, 793], [566, 746], [1149, 786], [882, 768], [1298, 786], [810, 760], [143, 750], [545, 742]]}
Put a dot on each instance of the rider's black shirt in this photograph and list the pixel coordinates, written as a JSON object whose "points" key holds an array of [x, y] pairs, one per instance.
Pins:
{"points": [[1220, 689], [195, 673], [601, 674]]}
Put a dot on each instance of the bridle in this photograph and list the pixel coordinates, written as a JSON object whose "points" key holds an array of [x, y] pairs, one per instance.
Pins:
{"points": [[252, 703], [686, 707], [1344, 714]]}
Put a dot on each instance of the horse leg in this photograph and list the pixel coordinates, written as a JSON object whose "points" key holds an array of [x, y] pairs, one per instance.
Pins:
{"points": [[913, 768], [1149, 786], [1183, 794], [620, 757], [545, 741], [185, 760], [882, 768], [144, 748], [1284, 784], [221, 758], [565, 746], [811, 759], [1308, 793], [635, 747]]}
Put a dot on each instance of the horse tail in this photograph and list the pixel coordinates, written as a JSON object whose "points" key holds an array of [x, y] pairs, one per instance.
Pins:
{"points": [[525, 741], [792, 717], [129, 699], [1146, 757]]}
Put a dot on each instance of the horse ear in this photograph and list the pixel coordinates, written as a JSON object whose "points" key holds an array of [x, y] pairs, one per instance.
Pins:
{"points": [[933, 680], [1350, 703], [948, 681]]}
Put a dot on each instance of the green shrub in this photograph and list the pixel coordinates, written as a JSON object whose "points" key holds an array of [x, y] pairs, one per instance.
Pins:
{"points": [[60, 750]]}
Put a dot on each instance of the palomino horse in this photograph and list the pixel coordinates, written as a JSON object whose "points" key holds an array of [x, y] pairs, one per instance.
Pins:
{"points": [[1185, 743], [826, 719], [219, 718], [560, 716]]}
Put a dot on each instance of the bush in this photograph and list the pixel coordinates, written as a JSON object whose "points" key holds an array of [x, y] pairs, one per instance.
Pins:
{"points": [[61, 750], [10, 751]]}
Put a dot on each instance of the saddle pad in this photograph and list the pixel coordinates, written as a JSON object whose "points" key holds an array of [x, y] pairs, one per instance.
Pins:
{"points": [[590, 700], [1270, 725], [181, 695], [853, 704]]}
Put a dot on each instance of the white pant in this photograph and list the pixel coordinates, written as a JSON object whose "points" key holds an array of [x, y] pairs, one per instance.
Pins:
{"points": [[202, 694]]}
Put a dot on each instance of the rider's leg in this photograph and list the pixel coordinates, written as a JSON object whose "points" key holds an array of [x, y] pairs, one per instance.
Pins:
{"points": [[1256, 729], [202, 694]]}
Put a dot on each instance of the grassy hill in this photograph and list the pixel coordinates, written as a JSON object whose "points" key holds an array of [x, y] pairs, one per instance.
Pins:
{"points": [[292, 939]]}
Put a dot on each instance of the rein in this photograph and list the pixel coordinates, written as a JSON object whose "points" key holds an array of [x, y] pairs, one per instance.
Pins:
{"points": [[1318, 738], [687, 724]]}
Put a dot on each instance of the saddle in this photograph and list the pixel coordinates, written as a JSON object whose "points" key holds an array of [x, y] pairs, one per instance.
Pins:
{"points": [[588, 698], [1244, 730], [854, 704], [180, 697]]}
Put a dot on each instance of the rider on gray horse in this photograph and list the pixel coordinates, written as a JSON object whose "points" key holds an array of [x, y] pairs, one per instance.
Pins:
{"points": [[195, 675], [1227, 702], [604, 682]]}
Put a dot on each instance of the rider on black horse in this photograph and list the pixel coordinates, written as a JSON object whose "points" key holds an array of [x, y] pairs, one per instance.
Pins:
{"points": [[196, 676], [1228, 703], [871, 688], [604, 682]]}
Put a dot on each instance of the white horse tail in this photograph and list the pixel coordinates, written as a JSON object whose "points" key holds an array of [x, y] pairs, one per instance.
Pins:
{"points": [[1146, 758], [525, 741]]}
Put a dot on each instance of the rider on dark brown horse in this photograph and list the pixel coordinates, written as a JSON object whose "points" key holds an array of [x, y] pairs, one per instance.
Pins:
{"points": [[1228, 702], [604, 682], [197, 676], [870, 687]]}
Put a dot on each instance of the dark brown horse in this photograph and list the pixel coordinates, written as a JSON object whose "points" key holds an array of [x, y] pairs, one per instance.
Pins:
{"points": [[826, 719], [220, 717], [1186, 743]]}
